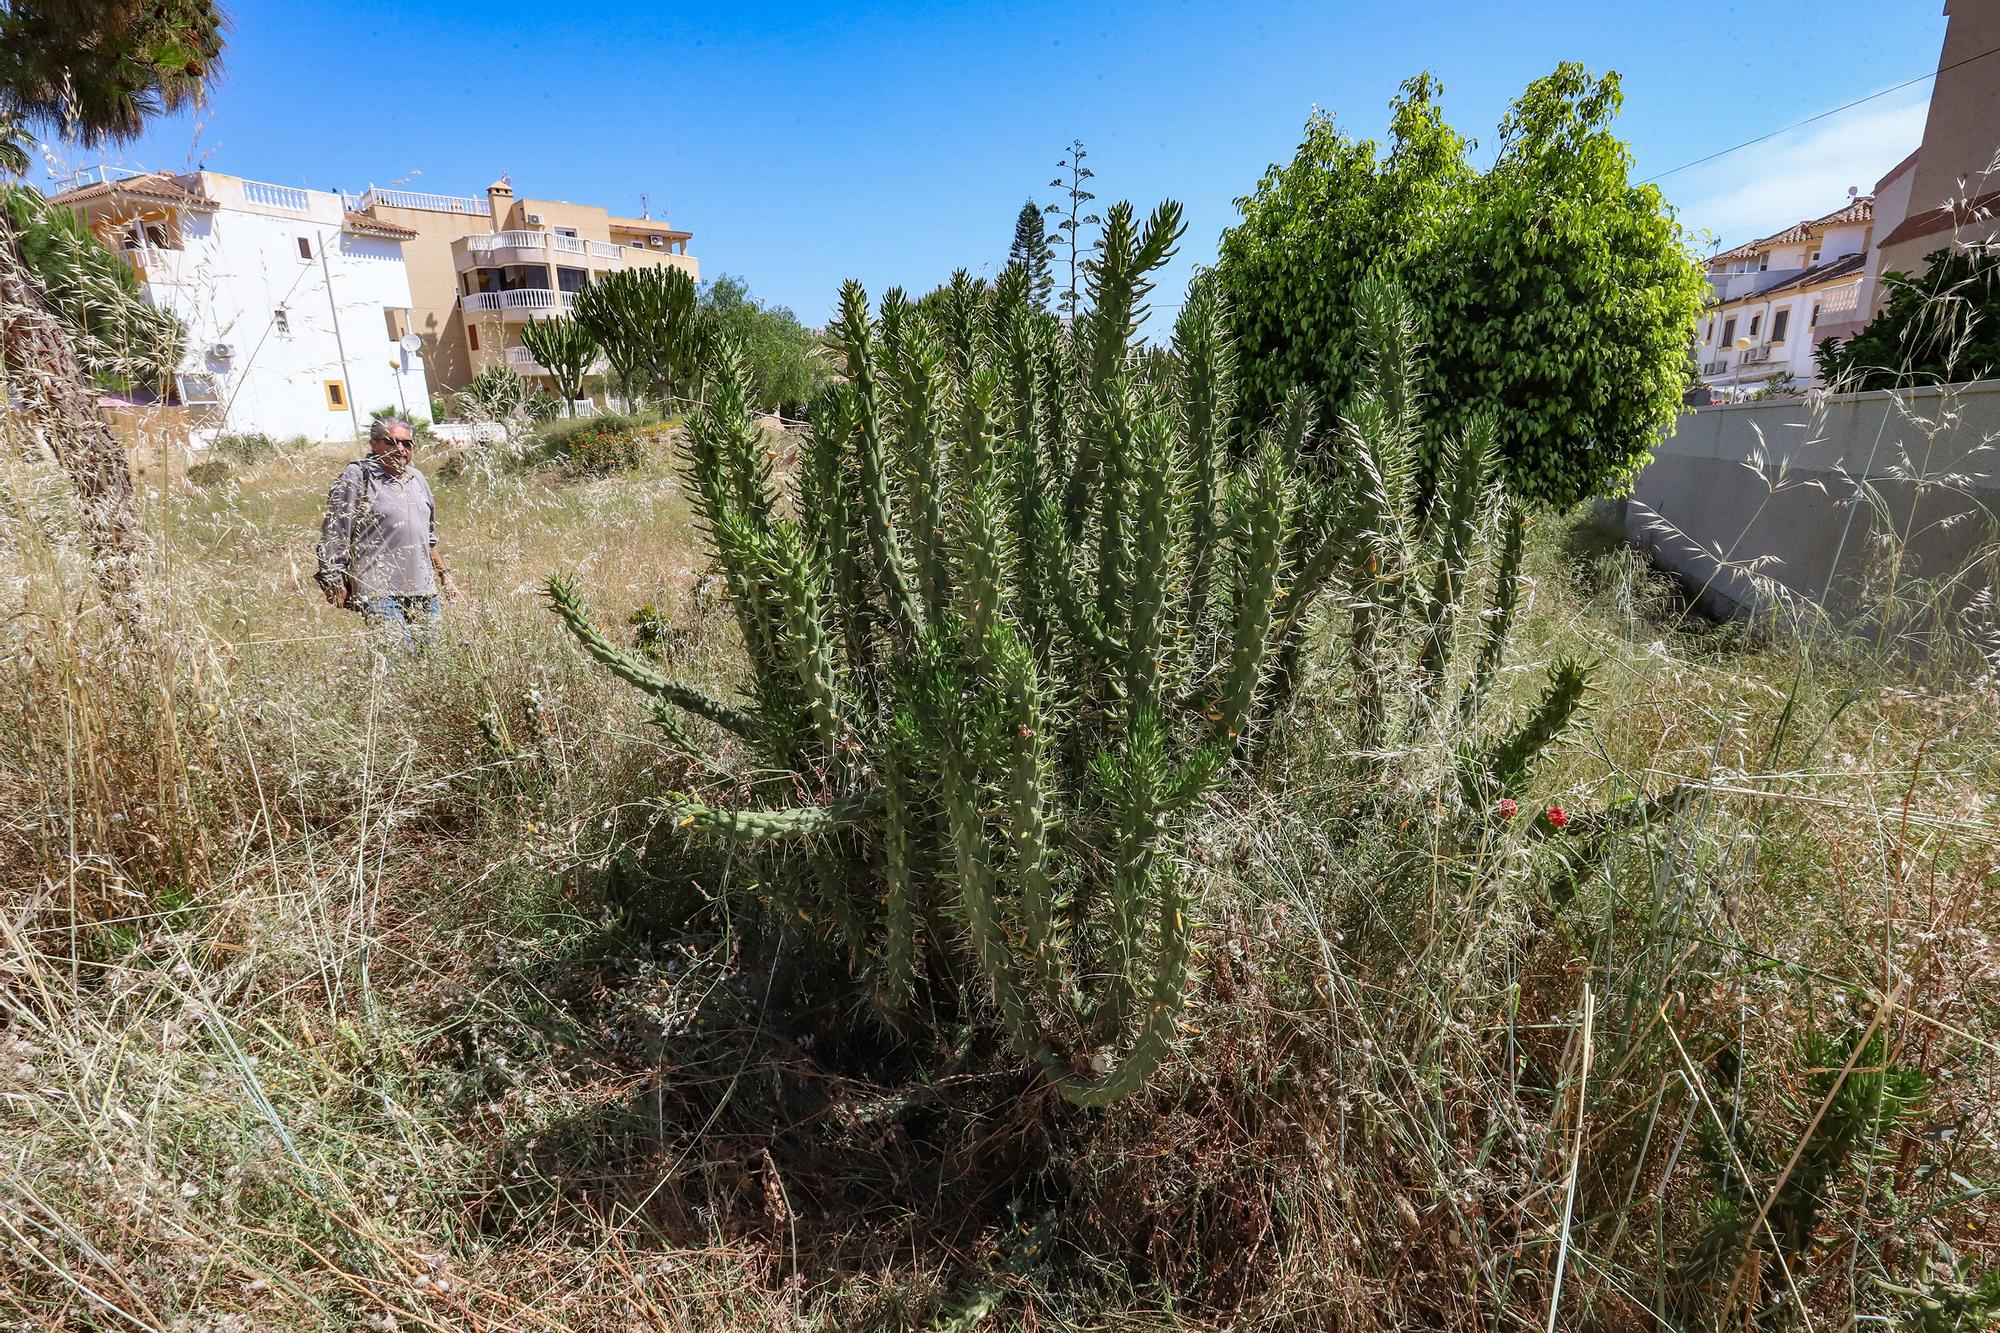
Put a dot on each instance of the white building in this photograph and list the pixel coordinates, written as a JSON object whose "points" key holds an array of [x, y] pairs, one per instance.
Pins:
{"points": [[1774, 299], [297, 310]]}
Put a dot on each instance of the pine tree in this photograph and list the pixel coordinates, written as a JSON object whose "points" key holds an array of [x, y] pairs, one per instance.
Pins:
{"points": [[1031, 254]]}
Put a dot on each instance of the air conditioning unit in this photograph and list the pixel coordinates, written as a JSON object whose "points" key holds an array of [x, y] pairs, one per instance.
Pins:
{"points": [[534, 219], [222, 351]]}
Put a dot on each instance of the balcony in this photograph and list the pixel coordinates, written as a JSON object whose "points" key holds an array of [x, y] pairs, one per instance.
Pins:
{"points": [[522, 362], [522, 302], [425, 203], [482, 249], [1734, 286], [1838, 302], [153, 263], [284, 198]]}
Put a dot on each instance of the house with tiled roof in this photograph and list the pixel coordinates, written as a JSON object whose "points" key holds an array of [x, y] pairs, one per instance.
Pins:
{"points": [[1772, 300], [297, 307]]}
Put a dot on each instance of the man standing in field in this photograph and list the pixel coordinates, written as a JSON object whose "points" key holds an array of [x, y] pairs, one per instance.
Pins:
{"points": [[378, 546]]}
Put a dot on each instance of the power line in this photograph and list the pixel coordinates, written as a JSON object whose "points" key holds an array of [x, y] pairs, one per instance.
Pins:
{"points": [[1800, 124]]}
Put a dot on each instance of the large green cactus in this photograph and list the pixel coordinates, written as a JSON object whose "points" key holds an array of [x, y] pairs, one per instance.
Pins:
{"points": [[1018, 611], [1420, 514]]}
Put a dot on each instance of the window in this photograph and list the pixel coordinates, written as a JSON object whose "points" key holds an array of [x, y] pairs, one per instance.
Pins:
{"points": [[336, 395], [566, 231], [1729, 331], [472, 336], [1778, 323], [1813, 323], [281, 322], [398, 320], [305, 247], [1756, 321], [571, 279], [1764, 261], [1815, 257]]}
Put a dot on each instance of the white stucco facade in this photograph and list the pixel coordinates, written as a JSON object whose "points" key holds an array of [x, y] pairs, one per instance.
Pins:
{"points": [[294, 307], [1773, 300]]}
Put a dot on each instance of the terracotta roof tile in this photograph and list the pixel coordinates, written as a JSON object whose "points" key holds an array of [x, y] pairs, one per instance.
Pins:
{"points": [[159, 185], [360, 224], [1963, 213], [1818, 273], [1860, 209]]}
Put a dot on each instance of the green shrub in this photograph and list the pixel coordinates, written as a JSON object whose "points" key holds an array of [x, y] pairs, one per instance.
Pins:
{"points": [[209, 472], [1025, 615], [591, 447], [1940, 327], [247, 447]]}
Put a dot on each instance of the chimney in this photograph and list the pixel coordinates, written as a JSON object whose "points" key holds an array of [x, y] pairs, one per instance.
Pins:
{"points": [[500, 197]]}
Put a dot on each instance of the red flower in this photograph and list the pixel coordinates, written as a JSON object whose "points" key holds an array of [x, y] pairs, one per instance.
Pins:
{"points": [[1558, 817], [1507, 809]]}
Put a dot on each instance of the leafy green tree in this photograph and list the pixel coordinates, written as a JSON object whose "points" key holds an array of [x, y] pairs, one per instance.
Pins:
{"points": [[1072, 218], [1939, 328], [1552, 292], [566, 350], [1030, 252], [781, 357], [1316, 229]]}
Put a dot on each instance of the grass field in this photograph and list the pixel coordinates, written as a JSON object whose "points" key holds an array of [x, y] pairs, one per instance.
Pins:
{"points": [[349, 990]]}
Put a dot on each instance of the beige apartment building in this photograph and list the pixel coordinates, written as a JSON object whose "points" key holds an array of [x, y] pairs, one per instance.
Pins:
{"points": [[1948, 191], [480, 269]]}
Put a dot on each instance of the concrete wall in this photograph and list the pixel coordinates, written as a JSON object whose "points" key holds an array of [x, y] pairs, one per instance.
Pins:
{"points": [[1770, 487]]}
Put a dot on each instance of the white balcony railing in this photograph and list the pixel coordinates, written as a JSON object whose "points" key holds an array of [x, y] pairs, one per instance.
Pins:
{"points": [[427, 203], [522, 362], [522, 298], [486, 242], [153, 263], [1840, 301], [276, 196]]}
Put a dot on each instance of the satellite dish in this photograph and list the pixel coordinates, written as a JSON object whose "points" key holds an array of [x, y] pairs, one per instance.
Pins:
{"points": [[411, 343]]}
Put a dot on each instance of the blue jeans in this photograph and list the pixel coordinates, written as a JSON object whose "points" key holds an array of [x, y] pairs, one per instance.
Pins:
{"points": [[416, 619]]}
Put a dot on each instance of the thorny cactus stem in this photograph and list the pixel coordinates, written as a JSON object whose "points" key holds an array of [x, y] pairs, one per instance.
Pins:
{"points": [[1000, 646]]}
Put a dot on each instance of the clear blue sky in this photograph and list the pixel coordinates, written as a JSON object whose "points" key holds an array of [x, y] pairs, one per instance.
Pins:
{"points": [[807, 143]]}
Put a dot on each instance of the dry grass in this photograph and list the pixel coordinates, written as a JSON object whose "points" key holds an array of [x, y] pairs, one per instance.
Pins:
{"points": [[322, 1012]]}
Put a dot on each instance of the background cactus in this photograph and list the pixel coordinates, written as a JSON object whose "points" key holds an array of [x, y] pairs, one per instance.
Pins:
{"points": [[1021, 609]]}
